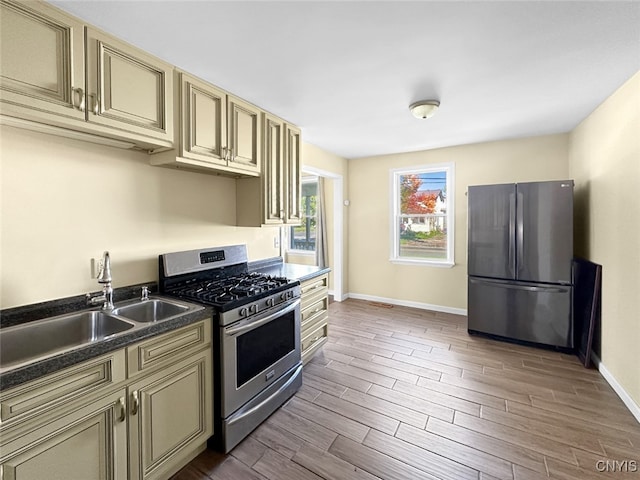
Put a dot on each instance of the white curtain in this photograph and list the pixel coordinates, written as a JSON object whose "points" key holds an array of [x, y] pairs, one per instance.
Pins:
{"points": [[322, 251]]}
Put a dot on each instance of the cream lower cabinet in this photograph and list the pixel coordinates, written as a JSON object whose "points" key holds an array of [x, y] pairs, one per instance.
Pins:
{"points": [[120, 92], [90, 421], [169, 411], [67, 425], [89, 443], [273, 199], [314, 312], [217, 133]]}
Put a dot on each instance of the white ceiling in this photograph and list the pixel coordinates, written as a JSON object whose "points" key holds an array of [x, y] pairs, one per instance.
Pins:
{"points": [[346, 71]]}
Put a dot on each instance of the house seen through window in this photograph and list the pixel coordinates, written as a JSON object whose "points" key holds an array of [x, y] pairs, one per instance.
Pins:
{"points": [[422, 225], [303, 237]]}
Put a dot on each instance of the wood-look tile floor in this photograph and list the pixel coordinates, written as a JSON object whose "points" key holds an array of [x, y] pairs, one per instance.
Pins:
{"points": [[400, 393]]}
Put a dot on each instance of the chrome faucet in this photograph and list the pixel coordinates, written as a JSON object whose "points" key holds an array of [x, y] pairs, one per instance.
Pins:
{"points": [[104, 278]]}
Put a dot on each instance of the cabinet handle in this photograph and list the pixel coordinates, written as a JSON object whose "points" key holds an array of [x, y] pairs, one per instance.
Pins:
{"points": [[123, 410], [74, 93], [224, 153], [312, 288], [96, 104], [134, 404], [232, 156]]}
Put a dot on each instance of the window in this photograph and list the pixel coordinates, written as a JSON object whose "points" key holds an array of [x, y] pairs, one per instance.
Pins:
{"points": [[303, 237], [422, 218]]}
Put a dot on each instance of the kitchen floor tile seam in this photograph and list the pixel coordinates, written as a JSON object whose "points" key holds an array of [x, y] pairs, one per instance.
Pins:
{"points": [[510, 355], [535, 457], [443, 457]]}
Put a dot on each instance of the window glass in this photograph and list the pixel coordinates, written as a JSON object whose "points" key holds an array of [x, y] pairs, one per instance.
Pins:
{"points": [[422, 228], [303, 237]]}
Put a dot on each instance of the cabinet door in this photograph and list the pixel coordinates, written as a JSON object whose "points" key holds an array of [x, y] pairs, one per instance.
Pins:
{"points": [[244, 135], [293, 174], [169, 412], [41, 60], [203, 110], [128, 89], [90, 443], [273, 169]]}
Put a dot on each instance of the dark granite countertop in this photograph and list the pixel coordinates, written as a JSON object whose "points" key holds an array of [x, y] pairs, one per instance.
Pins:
{"points": [[36, 369], [293, 271]]}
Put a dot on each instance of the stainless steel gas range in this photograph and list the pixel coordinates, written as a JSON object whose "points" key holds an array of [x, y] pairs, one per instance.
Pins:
{"points": [[257, 365]]}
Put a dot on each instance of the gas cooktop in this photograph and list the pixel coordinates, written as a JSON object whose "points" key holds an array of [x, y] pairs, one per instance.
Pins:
{"points": [[220, 277], [230, 292]]}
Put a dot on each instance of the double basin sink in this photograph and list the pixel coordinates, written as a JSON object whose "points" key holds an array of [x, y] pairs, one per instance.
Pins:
{"points": [[45, 338]]}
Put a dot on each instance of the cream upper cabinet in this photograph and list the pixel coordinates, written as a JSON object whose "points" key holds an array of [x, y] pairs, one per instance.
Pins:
{"points": [[41, 60], [218, 133], [244, 135], [120, 92], [273, 170], [128, 89], [274, 198], [203, 121], [293, 173]]}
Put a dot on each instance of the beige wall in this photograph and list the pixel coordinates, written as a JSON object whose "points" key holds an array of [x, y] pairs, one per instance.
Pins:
{"points": [[605, 163], [371, 272], [315, 157], [65, 201]]}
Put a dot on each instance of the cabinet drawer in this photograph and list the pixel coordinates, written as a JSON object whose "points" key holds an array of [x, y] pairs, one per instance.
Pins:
{"points": [[314, 311], [312, 289], [61, 388], [312, 325], [169, 348], [312, 342]]}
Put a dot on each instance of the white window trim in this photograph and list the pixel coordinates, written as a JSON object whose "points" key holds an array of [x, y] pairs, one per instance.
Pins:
{"points": [[394, 184]]}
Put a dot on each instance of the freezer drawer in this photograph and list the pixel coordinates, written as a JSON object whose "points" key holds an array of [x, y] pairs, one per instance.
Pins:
{"points": [[522, 311]]}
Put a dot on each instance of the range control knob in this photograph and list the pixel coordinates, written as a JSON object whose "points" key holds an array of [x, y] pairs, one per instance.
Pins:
{"points": [[253, 308], [270, 302], [243, 312], [283, 296], [290, 294]]}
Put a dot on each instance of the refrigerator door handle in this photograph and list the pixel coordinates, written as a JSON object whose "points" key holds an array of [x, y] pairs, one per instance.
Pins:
{"points": [[527, 288], [512, 234], [520, 230]]}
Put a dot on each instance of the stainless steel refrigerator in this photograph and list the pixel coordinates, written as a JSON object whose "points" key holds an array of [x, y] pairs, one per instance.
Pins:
{"points": [[520, 261]]}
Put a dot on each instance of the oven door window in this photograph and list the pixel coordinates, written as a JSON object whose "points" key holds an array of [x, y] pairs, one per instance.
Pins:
{"points": [[262, 347]]}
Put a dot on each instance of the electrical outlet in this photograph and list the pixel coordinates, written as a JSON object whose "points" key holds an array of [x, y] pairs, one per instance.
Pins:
{"points": [[95, 267], [276, 242]]}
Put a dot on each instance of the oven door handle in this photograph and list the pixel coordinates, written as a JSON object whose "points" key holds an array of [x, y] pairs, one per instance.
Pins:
{"points": [[267, 400], [255, 324]]}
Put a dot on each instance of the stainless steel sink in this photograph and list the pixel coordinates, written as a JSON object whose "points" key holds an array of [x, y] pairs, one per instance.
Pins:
{"points": [[153, 310], [43, 338]]}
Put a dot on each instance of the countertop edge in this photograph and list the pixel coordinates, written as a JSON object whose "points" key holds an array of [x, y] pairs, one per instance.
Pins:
{"points": [[292, 271], [37, 369]]}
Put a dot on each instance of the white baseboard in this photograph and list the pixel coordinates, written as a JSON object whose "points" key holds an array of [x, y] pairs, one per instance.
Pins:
{"points": [[336, 299], [633, 407], [408, 303]]}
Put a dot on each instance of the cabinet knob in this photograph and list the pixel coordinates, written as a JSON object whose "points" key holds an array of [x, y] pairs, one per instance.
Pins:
{"points": [[123, 411], [134, 403], [96, 104], [75, 94]]}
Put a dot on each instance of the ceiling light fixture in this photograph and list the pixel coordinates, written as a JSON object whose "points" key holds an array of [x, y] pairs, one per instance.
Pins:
{"points": [[424, 108]]}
